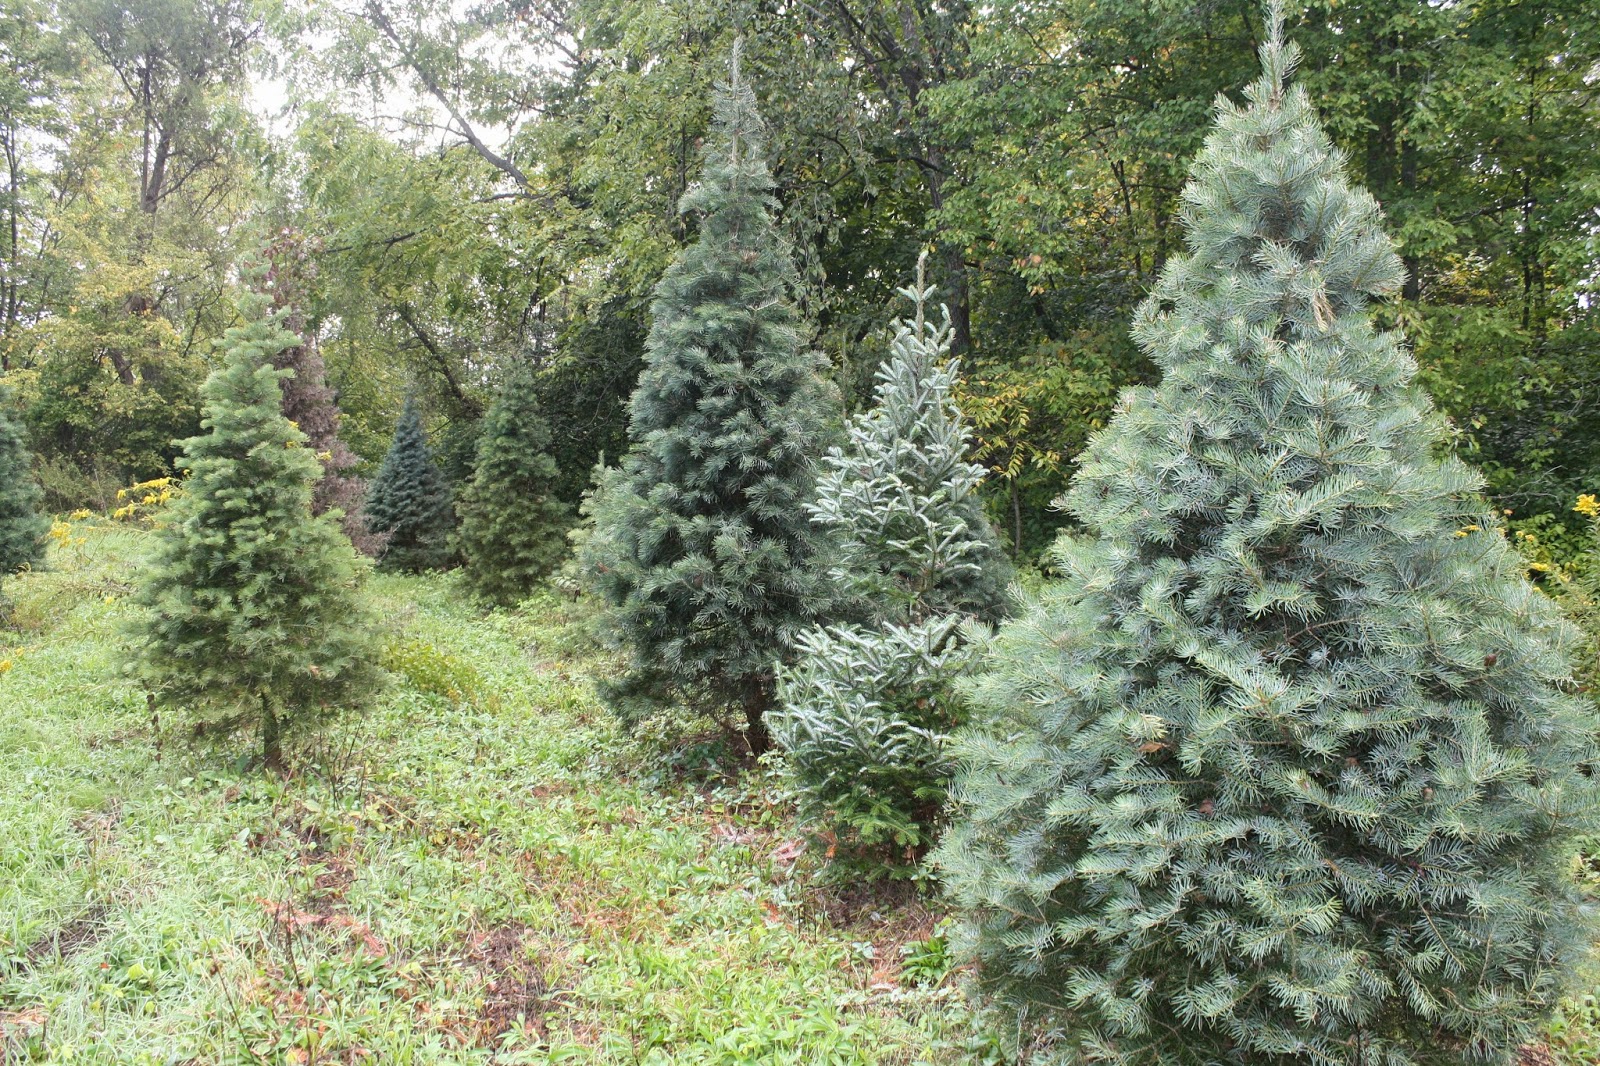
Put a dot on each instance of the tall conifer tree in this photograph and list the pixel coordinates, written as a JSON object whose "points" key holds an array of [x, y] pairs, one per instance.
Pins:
{"points": [[308, 401], [1282, 770], [513, 531], [710, 571], [252, 606], [408, 503], [22, 526]]}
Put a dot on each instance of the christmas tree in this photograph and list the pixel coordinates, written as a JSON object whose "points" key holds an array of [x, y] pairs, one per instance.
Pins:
{"points": [[408, 503], [22, 527], [512, 530], [1282, 770], [709, 571], [865, 713], [908, 535], [252, 606]]}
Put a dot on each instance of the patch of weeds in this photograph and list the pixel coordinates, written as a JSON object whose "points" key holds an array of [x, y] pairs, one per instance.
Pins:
{"points": [[1574, 1031], [521, 992], [479, 870], [426, 668], [927, 962]]}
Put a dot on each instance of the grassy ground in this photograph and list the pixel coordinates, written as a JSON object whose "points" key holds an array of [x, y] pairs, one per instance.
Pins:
{"points": [[477, 872]]}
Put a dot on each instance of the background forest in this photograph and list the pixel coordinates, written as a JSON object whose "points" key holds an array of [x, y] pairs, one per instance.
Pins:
{"points": [[460, 186]]}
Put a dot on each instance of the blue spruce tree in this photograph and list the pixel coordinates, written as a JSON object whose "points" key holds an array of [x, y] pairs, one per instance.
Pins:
{"points": [[1283, 769], [408, 502], [702, 547]]}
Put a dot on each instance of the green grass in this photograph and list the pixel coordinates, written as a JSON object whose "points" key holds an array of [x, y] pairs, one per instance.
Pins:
{"points": [[478, 871]]}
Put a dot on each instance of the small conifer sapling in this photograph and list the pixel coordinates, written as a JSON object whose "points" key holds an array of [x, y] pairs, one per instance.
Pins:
{"points": [[513, 530], [865, 712], [252, 607]]}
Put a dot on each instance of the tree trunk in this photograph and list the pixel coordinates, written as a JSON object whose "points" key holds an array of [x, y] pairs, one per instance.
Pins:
{"points": [[271, 742], [1016, 520], [756, 699]]}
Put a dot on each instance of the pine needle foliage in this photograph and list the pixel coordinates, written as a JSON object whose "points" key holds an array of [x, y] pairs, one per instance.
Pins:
{"points": [[513, 531], [409, 501], [865, 713], [908, 536], [252, 607], [709, 570], [1283, 769], [22, 526]]}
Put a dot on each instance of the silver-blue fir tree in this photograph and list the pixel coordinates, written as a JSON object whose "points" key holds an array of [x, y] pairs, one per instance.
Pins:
{"points": [[865, 711], [708, 561], [1284, 767]]}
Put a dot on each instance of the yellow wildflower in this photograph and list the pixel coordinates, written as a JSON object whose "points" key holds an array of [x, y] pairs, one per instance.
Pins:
{"points": [[1587, 506]]}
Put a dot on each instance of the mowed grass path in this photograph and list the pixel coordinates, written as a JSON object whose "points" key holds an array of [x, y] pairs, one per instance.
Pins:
{"points": [[478, 871]]}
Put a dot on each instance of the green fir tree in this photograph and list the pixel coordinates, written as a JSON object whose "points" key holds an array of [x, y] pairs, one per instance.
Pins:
{"points": [[22, 526], [252, 607], [513, 531], [1283, 769], [865, 713], [709, 569], [409, 502]]}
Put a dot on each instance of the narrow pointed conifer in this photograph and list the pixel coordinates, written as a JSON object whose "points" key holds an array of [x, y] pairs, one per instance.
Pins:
{"points": [[22, 526], [408, 502], [1282, 770], [908, 537], [710, 570], [865, 712], [308, 401], [513, 532], [252, 606]]}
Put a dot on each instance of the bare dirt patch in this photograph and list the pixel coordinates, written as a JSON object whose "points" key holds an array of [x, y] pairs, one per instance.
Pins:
{"points": [[70, 939], [516, 991]]}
